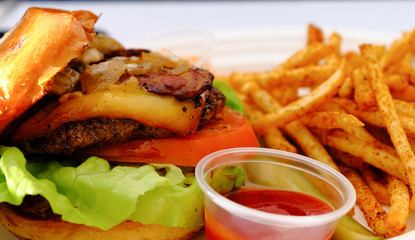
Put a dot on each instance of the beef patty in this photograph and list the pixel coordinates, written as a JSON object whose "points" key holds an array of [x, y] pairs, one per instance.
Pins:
{"points": [[99, 131], [36, 207]]}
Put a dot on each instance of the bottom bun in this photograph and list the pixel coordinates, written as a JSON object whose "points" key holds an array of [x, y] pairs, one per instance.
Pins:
{"points": [[30, 229]]}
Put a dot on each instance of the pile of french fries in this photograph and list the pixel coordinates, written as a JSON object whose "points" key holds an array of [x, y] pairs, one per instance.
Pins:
{"points": [[354, 111]]}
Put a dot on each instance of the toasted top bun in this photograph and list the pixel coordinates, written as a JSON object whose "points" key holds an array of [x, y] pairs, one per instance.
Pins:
{"points": [[31, 55]]}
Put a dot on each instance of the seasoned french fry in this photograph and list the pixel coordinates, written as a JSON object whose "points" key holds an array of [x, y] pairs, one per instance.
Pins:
{"points": [[374, 182], [309, 143], [271, 135], [355, 131], [412, 143], [299, 77], [346, 158], [284, 94], [408, 66], [372, 153], [330, 120], [303, 105], [404, 108], [255, 119], [331, 106], [379, 50], [346, 90], [360, 133], [372, 117], [397, 82], [335, 57], [273, 138], [404, 68], [398, 50], [363, 93], [260, 97], [357, 108], [392, 121], [310, 54], [406, 95], [300, 134], [375, 215], [314, 34], [335, 40], [399, 208], [237, 79], [354, 60], [306, 76], [375, 117]]}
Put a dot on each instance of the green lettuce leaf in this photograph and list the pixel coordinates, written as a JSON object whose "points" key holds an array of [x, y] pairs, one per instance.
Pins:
{"points": [[232, 99], [97, 195], [226, 179]]}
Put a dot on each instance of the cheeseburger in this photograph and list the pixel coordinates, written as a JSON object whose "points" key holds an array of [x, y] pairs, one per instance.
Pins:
{"points": [[100, 142]]}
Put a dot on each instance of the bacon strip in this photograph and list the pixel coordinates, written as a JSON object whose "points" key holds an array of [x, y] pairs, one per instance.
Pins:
{"points": [[184, 86]]}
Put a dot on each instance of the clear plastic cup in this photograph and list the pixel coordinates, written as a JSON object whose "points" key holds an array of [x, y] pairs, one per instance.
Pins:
{"points": [[273, 169], [191, 44]]}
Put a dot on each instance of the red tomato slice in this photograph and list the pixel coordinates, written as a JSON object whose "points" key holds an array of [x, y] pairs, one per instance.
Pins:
{"points": [[229, 129]]}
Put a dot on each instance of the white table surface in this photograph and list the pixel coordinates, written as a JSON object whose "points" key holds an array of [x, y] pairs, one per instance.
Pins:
{"points": [[130, 20]]}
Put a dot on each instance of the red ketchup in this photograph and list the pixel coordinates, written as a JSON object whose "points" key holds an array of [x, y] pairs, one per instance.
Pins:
{"points": [[267, 200]]}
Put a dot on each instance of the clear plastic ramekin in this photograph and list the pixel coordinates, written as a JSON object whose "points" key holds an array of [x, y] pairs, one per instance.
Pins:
{"points": [[268, 168], [192, 44]]}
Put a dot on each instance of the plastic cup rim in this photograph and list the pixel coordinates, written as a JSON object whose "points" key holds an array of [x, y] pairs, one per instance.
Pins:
{"points": [[269, 218], [207, 36]]}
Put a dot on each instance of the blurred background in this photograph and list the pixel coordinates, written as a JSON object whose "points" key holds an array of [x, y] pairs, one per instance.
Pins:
{"points": [[129, 20]]}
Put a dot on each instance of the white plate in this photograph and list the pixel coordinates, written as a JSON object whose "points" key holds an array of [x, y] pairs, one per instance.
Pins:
{"points": [[247, 50], [261, 49]]}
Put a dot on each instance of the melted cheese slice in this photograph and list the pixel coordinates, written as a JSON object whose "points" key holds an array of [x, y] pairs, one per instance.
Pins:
{"points": [[126, 100]]}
